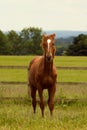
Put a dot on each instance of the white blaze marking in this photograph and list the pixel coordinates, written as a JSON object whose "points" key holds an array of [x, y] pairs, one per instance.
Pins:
{"points": [[48, 41]]}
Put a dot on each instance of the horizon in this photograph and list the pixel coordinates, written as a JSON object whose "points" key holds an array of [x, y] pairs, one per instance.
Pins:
{"points": [[46, 30], [59, 33]]}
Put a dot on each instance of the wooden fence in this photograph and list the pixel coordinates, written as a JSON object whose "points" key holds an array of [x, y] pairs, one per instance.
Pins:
{"points": [[60, 100], [58, 67]]}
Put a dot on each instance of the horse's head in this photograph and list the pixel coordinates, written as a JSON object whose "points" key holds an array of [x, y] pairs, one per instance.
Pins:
{"points": [[48, 46]]}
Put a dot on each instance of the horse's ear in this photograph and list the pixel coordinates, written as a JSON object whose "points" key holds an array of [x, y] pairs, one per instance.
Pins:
{"points": [[53, 38], [43, 36], [53, 35]]}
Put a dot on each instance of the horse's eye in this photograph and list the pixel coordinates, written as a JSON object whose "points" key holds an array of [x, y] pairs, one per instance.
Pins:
{"points": [[44, 45]]}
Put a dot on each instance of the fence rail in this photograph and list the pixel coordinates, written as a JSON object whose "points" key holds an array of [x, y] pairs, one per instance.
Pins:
{"points": [[58, 67], [59, 83], [59, 100]]}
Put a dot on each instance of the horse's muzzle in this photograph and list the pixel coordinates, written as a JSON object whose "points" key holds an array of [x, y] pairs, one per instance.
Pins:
{"points": [[48, 58]]}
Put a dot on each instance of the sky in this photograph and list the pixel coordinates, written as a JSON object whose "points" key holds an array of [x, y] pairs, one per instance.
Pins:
{"points": [[44, 14]]}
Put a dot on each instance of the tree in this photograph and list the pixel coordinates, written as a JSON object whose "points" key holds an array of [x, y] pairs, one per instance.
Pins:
{"points": [[60, 50], [79, 46], [31, 38], [15, 42], [4, 44], [21, 43]]}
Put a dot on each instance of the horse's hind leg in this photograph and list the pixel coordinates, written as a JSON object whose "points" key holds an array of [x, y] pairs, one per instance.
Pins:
{"points": [[33, 95]]}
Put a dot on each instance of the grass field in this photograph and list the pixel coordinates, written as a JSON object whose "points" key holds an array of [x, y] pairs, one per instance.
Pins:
{"points": [[59, 61], [16, 111], [19, 116], [63, 91], [18, 75]]}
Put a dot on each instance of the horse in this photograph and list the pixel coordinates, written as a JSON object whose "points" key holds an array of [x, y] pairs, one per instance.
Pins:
{"points": [[43, 75]]}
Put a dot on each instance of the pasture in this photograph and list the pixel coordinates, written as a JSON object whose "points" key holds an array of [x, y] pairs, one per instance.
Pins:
{"points": [[77, 61], [15, 106]]}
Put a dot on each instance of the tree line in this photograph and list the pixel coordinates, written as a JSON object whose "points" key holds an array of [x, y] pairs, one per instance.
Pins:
{"points": [[24, 42], [79, 46], [27, 42]]}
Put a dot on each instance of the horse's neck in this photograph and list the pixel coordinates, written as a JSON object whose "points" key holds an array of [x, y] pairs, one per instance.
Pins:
{"points": [[48, 66]]}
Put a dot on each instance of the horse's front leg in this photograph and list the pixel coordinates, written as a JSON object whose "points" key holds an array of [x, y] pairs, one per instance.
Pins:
{"points": [[40, 92], [51, 92], [33, 95]]}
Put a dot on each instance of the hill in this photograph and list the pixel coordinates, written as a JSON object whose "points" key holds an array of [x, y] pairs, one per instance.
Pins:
{"points": [[66, 33]]}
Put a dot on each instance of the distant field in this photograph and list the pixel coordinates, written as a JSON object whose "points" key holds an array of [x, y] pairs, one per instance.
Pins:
{"points": [[72, 61], [59, 61], [15, 60], [20, 75]]}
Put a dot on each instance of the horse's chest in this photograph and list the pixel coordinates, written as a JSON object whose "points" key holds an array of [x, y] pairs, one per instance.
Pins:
{"points": [[46, 81]]}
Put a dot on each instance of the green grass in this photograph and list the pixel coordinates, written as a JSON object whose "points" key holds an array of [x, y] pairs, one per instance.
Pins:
{"points": [[16, 75], [71, 92], [13, 91], [15, 60], [16, 112], [20, 117], [20, 75], [62, 91], [63, 75], [59, 60], [72, 61], [72, 76]]}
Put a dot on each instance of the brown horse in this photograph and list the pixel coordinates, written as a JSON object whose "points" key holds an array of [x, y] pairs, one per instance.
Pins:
{"points": [[42, 74]]}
